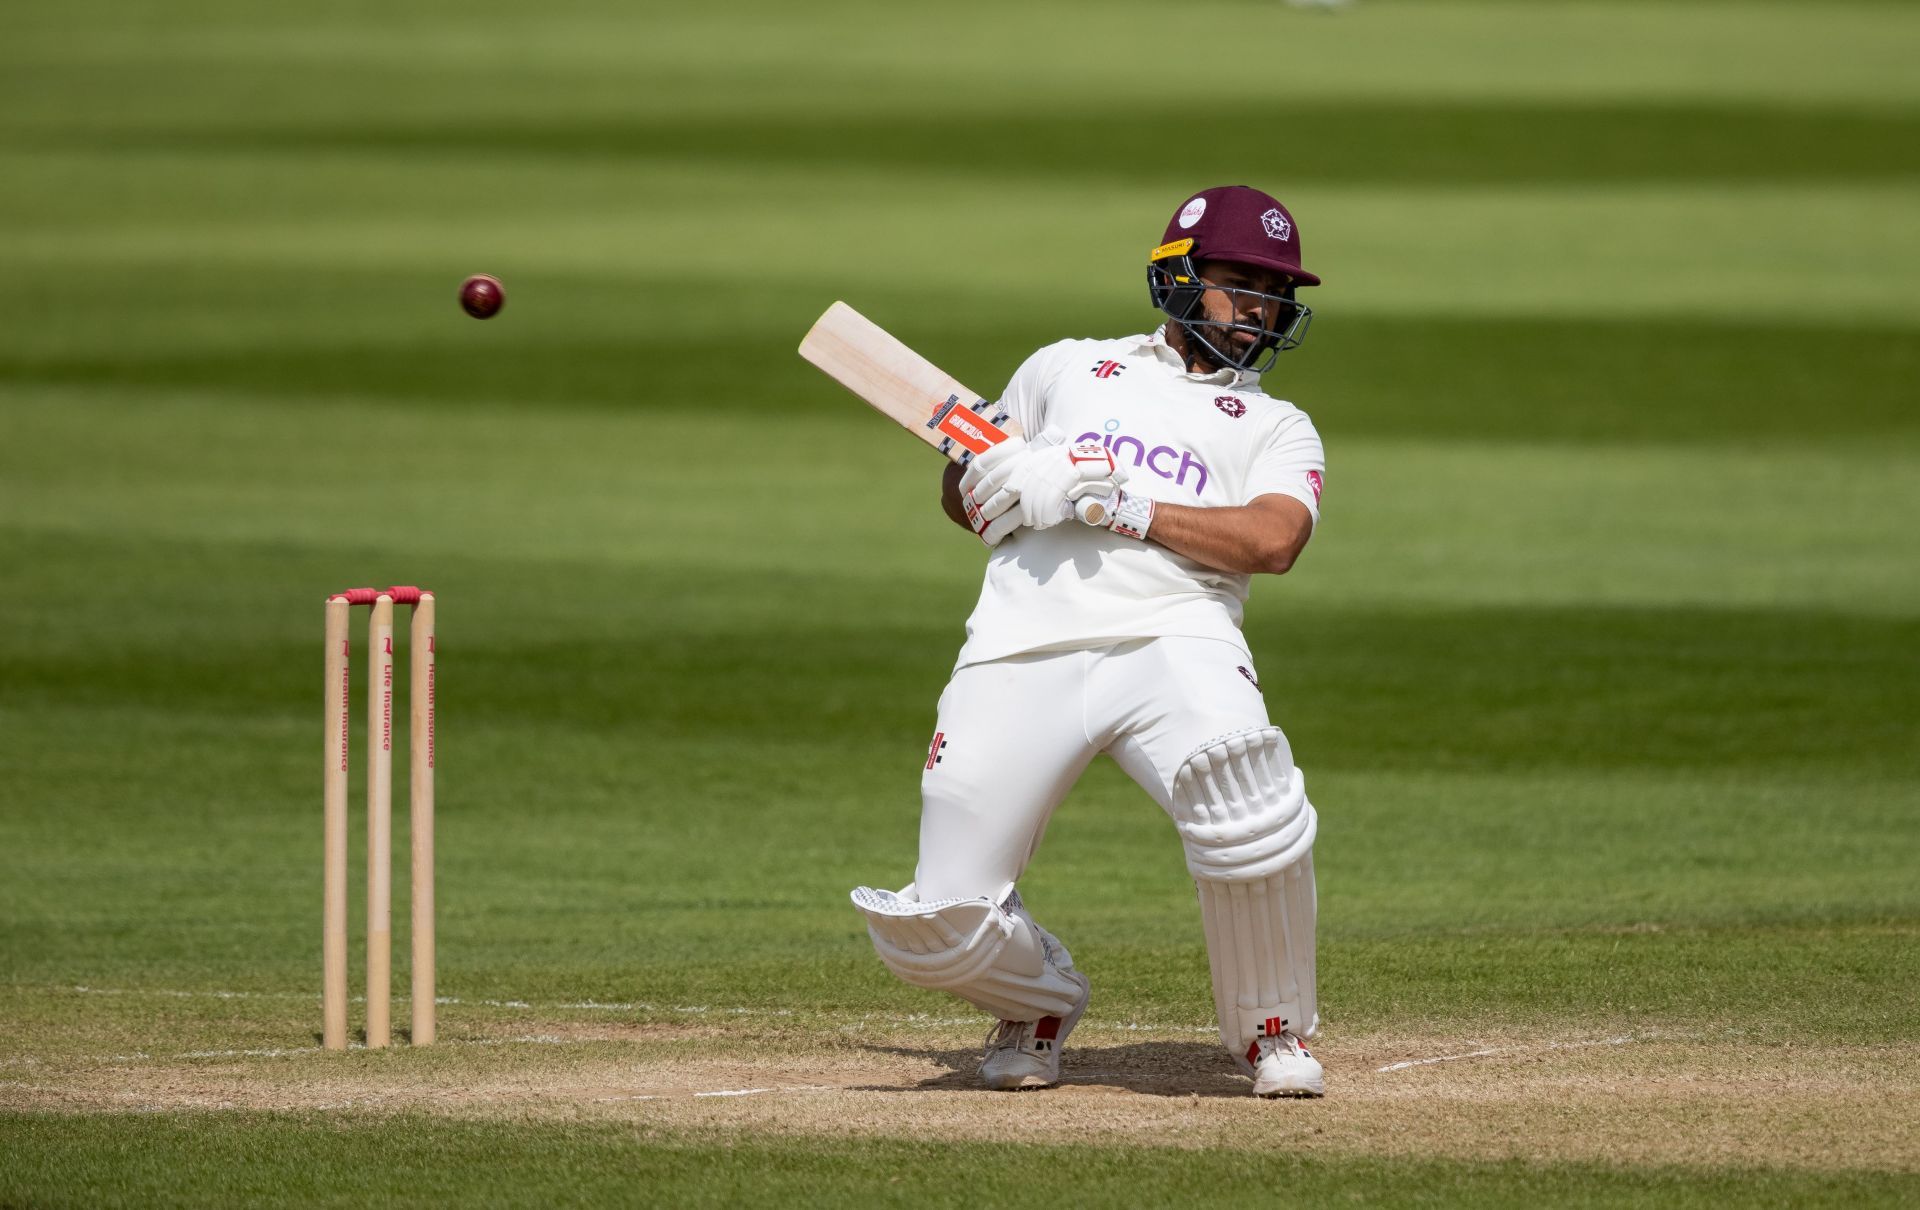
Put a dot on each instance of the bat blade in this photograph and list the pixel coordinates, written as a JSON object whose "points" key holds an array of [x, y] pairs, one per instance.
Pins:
{"points": [[910, 390], [899, 383]]}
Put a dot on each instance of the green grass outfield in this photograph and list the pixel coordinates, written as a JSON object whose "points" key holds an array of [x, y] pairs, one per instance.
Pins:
{"points": [[1604, 667]]}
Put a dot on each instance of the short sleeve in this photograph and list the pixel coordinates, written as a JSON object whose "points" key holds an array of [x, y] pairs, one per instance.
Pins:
{"points": [[1292, 464], [1026, 396]]}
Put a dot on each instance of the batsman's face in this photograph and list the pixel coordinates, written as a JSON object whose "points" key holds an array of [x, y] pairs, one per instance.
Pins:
{"points": [[1246, 295]]}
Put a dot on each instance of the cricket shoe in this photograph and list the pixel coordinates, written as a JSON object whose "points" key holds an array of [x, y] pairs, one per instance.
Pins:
{"points": [[1283, 1067], [1026, 1054]]}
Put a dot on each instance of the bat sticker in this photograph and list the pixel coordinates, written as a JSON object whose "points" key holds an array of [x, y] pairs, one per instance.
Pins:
{"points": [[961, 424]]}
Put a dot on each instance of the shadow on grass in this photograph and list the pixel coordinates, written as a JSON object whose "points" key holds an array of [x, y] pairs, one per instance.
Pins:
{"points": [[1159, 1069]]}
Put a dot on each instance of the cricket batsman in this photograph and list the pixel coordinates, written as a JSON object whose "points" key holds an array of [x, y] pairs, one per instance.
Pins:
{"points": [[1124, 638]]}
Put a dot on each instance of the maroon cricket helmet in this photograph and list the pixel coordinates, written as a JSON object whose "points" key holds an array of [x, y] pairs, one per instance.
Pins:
{"points": [[1241, 224]]}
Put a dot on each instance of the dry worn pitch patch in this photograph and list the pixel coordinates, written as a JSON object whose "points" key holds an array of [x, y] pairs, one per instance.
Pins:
{"points": [[1647, 1099]]}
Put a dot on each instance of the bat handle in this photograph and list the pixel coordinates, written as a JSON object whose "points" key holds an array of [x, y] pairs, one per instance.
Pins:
{"points": [[1092, 511]]}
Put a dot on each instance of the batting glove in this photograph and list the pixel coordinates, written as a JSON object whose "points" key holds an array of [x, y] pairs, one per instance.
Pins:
{"points": [[1053, 470], [984, 492]]}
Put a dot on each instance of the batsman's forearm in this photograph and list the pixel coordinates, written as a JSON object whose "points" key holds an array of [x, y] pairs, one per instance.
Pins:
{"points": [[1258, 538], [950, 496]]}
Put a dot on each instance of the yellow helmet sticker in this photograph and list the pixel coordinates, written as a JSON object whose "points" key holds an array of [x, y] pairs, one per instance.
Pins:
{"points": [[1179, 247]]}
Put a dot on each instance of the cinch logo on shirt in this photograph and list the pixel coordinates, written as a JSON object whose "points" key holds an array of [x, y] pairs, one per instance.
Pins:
{"points": [[1160, 459]]}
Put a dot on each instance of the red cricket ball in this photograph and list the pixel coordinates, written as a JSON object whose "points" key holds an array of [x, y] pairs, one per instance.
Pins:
{"points": [[482, 296]]}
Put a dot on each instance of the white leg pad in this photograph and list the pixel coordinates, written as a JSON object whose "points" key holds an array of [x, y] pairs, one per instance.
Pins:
{"points": [[1243, 816], [988, 952]]}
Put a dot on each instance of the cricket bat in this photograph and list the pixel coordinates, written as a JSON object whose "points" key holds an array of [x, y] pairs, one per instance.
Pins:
{"points": [[916, 394]]}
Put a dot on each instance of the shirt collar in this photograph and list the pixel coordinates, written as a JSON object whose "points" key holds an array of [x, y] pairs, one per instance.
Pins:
{"points": [[1154, 344]]}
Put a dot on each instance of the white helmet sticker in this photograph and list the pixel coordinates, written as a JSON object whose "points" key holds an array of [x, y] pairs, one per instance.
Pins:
{"points": [[1191, 212], [1276, 224]]}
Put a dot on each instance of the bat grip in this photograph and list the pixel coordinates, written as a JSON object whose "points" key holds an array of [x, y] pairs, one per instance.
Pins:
{"points": [[1092, 511]]}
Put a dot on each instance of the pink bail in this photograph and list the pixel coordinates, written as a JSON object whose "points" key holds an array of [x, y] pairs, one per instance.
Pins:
{"points": [[402, 594]]}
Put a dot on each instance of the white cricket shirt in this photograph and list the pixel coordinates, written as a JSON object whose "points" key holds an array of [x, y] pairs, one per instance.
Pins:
{"points": [[1199, 439]]}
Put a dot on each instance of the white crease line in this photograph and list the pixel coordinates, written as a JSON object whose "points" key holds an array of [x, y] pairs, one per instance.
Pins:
{"points": [[1623, 1040], [627, 1006], [186, 995], [1477, 1054], [273, 1052], [281, 1052], [721, 1092]]}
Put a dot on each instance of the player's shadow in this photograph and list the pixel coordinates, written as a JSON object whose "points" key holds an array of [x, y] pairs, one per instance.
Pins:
{"points": [[1043, 565], [1160, 1069]]}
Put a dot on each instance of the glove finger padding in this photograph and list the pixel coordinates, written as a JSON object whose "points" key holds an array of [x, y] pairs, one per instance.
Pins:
{"points": [[991, 507], [980, 515], [997, 460], [999, 528], [989, 496]]}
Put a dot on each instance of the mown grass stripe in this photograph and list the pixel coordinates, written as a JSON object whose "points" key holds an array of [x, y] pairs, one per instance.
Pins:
{"points": [[313, 1159]]}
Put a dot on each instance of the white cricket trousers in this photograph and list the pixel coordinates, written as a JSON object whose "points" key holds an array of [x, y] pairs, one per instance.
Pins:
{"points": [[1015, 734]]}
